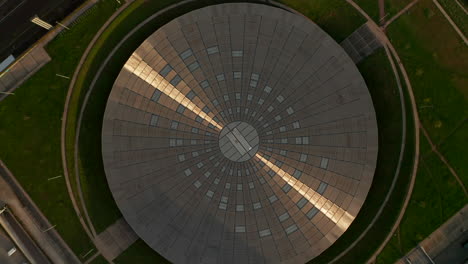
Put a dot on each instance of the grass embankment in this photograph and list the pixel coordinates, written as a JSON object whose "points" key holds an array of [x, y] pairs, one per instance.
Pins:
{"points": [[436, 65], [30, 128], [456, 13], [336, 17], [104, 203]]}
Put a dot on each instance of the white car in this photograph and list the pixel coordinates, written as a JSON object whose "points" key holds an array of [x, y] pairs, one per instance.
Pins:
{"points": [[11, 251]]}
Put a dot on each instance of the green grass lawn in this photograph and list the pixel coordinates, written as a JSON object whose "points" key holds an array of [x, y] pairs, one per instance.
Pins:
{"points": [[456, 13], [336, 17], [371, 7], [140, 253], [436, 197], [455, 151], [436, 65], [30, 128]]}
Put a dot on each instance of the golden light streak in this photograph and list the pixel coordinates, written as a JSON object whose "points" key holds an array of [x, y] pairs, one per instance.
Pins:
{"points": [[136, 65], [336, 214]]}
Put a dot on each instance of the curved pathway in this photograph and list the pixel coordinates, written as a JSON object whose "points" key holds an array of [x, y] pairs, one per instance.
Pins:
{"points": [[89, 230], [390, 49], [91, 87], [389, 45], [416, 153], [72, 84], [418, 127], [397, 171]]}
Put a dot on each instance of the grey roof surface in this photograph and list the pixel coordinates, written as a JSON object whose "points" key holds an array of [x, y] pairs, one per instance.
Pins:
{"points": [[293, 103]]}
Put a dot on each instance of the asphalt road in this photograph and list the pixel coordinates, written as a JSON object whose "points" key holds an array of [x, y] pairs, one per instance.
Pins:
{"points": [[51, 242], [18, 32], [28, 246], [5, 245]]}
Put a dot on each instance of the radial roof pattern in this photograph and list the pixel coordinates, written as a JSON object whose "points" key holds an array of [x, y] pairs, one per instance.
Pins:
{"points": [[239, 133]]}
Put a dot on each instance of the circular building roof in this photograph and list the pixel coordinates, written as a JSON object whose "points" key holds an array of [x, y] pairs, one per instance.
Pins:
{"points": [[239, 133]]}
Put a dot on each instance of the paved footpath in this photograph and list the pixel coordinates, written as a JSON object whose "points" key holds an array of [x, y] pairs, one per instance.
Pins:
{"points": [[444, 160], [24, 68], [84, 218], [381, 12], [115, 239], [449, 19], [418, 126], [390, 50], [403, 11]]}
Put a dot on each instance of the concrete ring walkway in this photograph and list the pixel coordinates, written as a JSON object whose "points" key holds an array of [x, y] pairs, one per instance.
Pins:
{"points": [[391, 50], [89, 231]]}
